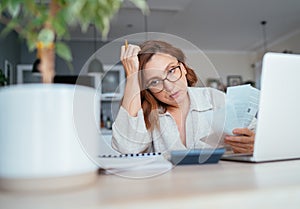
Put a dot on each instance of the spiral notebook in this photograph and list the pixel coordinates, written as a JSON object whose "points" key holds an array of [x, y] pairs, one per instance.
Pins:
{"points": [[134, 162]]}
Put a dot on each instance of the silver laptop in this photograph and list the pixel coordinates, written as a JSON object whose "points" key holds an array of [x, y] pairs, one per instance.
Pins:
{"points": [[278, 127]]}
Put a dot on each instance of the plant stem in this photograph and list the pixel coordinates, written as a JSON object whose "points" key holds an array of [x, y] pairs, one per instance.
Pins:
{"points": [[47, 66], [47, 53]]}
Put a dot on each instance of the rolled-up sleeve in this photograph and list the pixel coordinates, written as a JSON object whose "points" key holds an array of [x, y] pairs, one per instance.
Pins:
{"points": [[129, 134]]}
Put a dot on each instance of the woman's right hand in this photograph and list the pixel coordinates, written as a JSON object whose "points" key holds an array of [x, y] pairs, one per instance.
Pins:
{"points": [[131, 99], [130, 59]]}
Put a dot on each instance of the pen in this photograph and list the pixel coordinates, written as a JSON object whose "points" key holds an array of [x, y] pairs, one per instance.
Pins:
{"points": [[126, 44]]}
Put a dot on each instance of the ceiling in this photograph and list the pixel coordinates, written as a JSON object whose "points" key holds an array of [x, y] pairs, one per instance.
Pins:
{"points": [[216, 25]]}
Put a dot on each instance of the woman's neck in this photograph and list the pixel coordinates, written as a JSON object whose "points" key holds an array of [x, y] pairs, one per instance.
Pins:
{"points": [[183, 107], [179, 114]]}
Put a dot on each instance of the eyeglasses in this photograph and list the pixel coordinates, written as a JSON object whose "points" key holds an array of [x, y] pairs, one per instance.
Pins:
{"points": [[157, 85]]}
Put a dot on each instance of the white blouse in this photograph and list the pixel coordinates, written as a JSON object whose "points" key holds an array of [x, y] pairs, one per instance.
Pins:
{"points": [[204, 126]]}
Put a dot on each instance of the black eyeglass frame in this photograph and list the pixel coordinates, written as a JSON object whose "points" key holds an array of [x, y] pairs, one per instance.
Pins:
{"points": [[166, 78]]}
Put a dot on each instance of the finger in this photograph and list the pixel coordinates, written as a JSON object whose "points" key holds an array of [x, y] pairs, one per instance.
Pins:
{"points": [[240, 150], [122, 52], [248, 147], [234, 144], [242, 131], [136, 50], [240, 139], [245, 147], [131, 57], [129, 51]]}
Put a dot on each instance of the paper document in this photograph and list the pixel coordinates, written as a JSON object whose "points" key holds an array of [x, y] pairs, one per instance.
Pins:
{"points": [[135, 162], [241, 106]]}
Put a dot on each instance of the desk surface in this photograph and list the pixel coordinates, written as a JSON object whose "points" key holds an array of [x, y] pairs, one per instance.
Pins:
{"points": [[223, 185]]}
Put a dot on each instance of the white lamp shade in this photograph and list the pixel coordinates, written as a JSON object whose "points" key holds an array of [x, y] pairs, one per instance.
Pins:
{"points": [[95, 66]]}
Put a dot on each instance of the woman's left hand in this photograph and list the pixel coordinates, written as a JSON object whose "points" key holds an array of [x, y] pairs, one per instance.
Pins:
{"points": [[242, 141]]}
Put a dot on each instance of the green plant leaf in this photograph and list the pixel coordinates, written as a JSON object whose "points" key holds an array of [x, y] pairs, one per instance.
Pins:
{"points": [[31, 39], [142, 5], [28, 18], [63, 51], [46, 36], [59, 27], [38, 21], [3, 79], [31, 45], [70, 66], [103, 25], [14, 8], [9, 27]]}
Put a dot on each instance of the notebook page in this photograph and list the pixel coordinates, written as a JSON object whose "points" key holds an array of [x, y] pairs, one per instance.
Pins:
{"points": [[145, 161]]}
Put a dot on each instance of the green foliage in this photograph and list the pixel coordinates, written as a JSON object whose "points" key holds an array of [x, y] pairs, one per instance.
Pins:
{"points": [[29, 18], [63, 51], [3, 79], [46, 36]]}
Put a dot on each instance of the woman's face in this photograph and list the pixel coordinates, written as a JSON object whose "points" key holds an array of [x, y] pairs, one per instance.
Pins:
{"points": [[173, 92]]}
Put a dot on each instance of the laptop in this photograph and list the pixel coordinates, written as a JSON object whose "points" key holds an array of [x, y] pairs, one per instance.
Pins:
{"points": [[278, 127]]}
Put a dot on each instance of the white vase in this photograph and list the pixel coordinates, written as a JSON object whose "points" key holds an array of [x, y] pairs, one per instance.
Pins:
{"points": [[48, 131]]}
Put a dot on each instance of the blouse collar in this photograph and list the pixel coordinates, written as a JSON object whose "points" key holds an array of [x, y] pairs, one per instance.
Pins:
{"points": [[199, 100]]}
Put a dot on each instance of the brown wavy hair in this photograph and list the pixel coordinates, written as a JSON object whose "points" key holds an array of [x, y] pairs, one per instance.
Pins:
{"points": [[150, 105]]}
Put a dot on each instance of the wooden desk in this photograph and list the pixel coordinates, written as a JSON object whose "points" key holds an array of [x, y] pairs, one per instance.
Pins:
{"points": [[223, 185]]}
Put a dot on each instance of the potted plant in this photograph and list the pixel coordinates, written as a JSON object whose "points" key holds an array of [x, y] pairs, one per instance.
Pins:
{"points": [[45, 26], [3, 79], [40, 124]]}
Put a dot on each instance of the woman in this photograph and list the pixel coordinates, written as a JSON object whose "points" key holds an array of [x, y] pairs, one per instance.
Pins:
{"points": [[161, 111]]}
